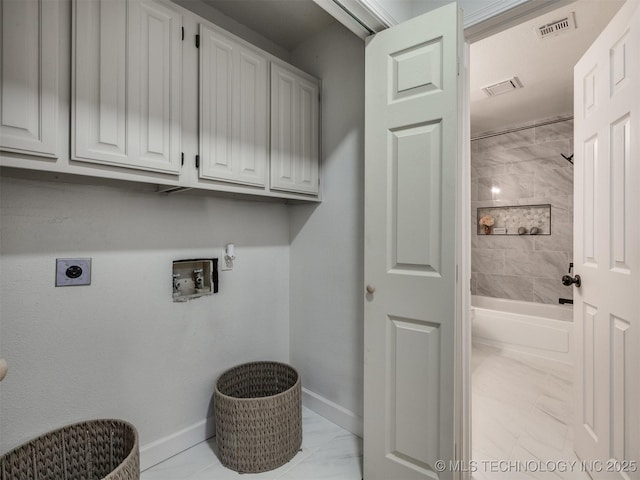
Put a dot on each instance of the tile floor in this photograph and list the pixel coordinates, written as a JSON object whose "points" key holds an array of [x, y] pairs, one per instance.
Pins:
{"points": [[328, 452], [521, 412]]}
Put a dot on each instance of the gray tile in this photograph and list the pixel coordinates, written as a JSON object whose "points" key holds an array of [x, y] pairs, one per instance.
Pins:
{"points": [[570, 208], [554, 131], [544, 264], [506, 242], [534, 152], [505, 286], [507, 140], [486, 160], [480, 170], [549, 290], [511, 187], [555, 182], [487, 261], [474, 283], [560, 240], [533, 166], [474, 190], [559, 206]]}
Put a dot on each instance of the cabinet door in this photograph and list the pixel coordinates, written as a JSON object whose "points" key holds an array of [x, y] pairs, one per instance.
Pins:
{"points": [[29, 77], [126, 84], [294, 131], [233, 110]]}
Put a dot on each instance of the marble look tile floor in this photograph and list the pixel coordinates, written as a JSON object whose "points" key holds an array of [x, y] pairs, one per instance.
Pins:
{"points": [[521, 413], [522, 416], [328, 452]]}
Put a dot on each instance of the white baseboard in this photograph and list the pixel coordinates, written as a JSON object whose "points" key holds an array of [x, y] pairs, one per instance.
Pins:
{"points": [[155, 452], [166, 447], [332, 412]]}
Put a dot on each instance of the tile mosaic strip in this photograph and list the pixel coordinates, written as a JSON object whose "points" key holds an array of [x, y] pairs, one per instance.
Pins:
{"points": [[508, 220]]}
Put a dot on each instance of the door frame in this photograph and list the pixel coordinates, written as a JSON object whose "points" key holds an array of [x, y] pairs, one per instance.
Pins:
{"points": [[473, 33]]}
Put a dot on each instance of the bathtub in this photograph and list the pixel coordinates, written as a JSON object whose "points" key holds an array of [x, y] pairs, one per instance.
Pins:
{"points": [[533, 328]]}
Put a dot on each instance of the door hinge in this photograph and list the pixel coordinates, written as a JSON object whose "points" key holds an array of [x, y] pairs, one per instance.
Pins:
{"points": [[182, 159], [197, 161], [458, 65], [197, 41], [183, 34]]}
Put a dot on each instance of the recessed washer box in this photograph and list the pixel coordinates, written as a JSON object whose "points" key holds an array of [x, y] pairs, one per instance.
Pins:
{"points": [[73, 271], [194, 278]]}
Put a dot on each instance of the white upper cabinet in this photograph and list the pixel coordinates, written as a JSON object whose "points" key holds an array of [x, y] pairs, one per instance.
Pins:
{"points": [[233, 110], [126, 84], [29, 77], [294, 130]]}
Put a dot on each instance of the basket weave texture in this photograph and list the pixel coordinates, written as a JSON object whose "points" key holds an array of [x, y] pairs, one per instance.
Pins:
{"points": [[92, 450], [258, 416]]}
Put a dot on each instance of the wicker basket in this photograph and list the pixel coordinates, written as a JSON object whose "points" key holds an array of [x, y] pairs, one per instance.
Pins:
{"points": [[97, 449], [258, 416]]}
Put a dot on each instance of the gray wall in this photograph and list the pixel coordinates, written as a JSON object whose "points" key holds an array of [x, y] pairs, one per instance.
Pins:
{"points": [[327, 239], [527, 167], [120, 347]]}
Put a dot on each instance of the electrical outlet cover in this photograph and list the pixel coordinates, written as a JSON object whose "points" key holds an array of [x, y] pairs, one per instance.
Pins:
{"points": [[73, 271]]}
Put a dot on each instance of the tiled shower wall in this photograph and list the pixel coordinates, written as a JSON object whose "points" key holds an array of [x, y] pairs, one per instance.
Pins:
{"points": [[528, 169]]}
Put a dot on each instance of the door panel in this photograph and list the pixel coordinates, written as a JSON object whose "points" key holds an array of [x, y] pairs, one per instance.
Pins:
{"points": [[294, 131], [233, 110], [29, 77], [126, 94], [607, 306], [411, 167]]}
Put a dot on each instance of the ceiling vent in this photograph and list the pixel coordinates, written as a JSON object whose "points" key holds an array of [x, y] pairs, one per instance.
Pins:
{"points": [[503, 87], [557, 27]]}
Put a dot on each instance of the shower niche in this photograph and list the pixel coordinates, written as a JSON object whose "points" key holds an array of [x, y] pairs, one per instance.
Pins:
{"points": [[194, 278], [514, 220]]}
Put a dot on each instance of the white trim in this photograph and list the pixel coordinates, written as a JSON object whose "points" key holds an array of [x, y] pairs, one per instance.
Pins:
{"points": [[332, 412], [499, 16], [490, 10], [344, 17], [463, 337], [374, 12], [166, 447]]}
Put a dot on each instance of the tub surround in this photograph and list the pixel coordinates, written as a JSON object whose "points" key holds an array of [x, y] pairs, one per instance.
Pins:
{"points": [[523, 167], [530, 328]]}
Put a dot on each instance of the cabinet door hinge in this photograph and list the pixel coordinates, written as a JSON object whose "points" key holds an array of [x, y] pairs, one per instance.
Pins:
{"points": [[182, 159], [183, 34], [197, 41], [197, 161]]}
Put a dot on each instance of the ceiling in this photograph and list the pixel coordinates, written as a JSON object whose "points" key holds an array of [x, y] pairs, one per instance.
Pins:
{"points": [[545, 67], [287, 23]]}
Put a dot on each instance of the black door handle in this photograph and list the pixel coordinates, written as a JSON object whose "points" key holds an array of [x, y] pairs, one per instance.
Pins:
{"points": [[568, 280]]}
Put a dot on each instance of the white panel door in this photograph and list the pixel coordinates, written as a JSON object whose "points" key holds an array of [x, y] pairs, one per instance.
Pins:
{"points": [[412, 162], [606, 250], [29, 77], [127, 68], [294, 131], [233, 110]]}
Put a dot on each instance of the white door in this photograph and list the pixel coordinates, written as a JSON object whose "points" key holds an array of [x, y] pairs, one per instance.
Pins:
{"points": [[412, 161], [607, 249]]}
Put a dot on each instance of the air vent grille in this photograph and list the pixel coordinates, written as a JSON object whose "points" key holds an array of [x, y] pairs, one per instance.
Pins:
{"points": [[503, 87], [557, 27]]}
